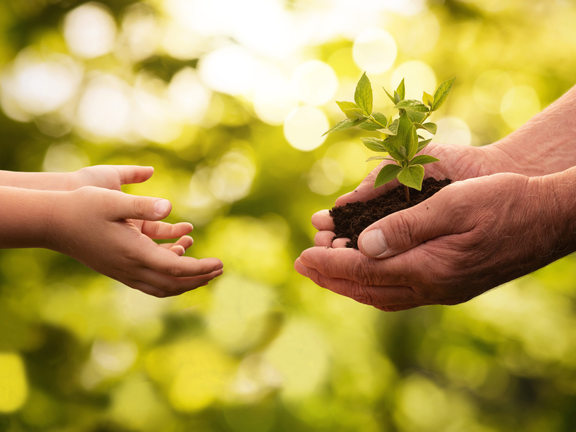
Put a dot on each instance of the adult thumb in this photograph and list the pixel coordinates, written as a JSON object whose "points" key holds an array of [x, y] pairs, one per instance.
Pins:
{"points": [[408, 228], [141, 207]]}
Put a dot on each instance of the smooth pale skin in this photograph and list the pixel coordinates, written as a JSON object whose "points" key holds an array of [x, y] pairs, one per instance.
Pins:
{"points": [[512, 210], [86, 216]]}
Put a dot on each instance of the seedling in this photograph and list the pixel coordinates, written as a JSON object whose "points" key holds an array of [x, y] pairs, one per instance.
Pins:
{"points": [[398, 137]]}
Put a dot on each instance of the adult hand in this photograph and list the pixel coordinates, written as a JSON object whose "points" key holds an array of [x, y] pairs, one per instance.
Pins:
{"points": [[470, 237], [103, 230], [456, 162]]}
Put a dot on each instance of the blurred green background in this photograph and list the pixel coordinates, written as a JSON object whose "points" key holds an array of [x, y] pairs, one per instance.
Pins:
{"points": [[228, 99]]}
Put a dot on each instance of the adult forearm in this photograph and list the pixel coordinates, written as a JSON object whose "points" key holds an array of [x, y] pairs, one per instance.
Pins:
{"points": [[544, 145], [35, 180], [25, 217]]}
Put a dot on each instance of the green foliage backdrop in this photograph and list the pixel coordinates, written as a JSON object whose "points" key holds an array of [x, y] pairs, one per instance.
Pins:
{"points": [[228, 101]]}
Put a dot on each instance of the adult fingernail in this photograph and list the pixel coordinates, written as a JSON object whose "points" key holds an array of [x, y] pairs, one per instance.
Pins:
{"points": [[161, 206], [300, 268], [374, 243]]}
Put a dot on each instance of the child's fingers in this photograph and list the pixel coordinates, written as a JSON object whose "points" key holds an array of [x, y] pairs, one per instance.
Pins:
{"points": [[125, 206], [178, 250], [133, 173], [184, 243], [162, 261], [172, 286], [163, 230]]}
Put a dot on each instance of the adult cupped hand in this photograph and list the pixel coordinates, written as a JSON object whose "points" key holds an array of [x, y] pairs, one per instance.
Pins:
{"points": [[471, 236], [457, 162]]}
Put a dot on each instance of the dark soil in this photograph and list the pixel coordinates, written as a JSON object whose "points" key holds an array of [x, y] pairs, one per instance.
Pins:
{"points": [[351, 219]]}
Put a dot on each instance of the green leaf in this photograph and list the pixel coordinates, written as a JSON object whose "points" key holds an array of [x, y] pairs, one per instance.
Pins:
{"points": [[412, 105], [423, 160], [393, 151], [402, 151], [386, 174], [423, 144], [351, 110], [343, 125], [416, 116], [430, 127], [428, 99], [373, 158], [412, 176], [442, 93], [401, 90], [369, 125], [387, 131], [380, 119], [390, 96], [412, 144], [394, 143], [374, 144], [397, 97], [363, 95]]}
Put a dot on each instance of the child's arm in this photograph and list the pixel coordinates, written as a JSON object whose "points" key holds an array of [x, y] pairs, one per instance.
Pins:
{"points": [[94, 226], [105, 176]]}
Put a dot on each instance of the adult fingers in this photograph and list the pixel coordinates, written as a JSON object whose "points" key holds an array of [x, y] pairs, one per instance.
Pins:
{"points": [[365, 191], [439, 215], [323, 238], [133, 173], [163, 230], [340, 243], [378, 296], [351, 264], [322, 221]]}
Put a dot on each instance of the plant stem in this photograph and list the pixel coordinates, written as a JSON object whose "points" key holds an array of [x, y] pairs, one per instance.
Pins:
{"points": [[407, 193]]}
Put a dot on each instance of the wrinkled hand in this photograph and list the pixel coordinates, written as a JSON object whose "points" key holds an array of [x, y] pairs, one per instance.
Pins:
{"points": [[469, 237], [456, 163], [111, 232]]}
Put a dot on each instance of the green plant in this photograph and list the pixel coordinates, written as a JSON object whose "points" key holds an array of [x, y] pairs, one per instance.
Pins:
{"points": [[399, 137]]}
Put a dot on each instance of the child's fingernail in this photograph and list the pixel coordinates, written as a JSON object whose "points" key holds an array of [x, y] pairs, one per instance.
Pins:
{"points": [[161, 206], [373, 243]]}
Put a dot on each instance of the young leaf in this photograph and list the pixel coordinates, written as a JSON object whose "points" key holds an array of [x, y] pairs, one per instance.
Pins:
{"points": [[423, 144], [351, 110], [343, 125], [412, 105], [374, 144], [412, 176], [423, 160], [416, 116], [373, 158], [386, 174], [430, 127], [401, 90], [394, 127], [397, 97], [428, 99], [380, 119], [390, 96], [363, 95], [393, 150], [442, 93], [387, 131], [369, 125]]}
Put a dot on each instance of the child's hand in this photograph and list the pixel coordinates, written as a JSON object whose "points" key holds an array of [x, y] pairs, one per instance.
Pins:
{"points": [[111, 232], [109, 176]]}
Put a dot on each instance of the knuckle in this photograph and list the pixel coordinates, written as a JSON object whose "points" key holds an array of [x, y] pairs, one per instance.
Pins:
{"points": [[361, 273], [140, 207], [175, 271], [362, 295], [401, 228]]}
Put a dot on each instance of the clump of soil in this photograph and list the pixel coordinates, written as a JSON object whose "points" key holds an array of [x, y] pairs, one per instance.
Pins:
{"points": [[351, 219]]}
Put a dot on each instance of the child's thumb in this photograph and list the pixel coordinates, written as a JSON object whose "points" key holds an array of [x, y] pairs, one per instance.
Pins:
{"points": [[142, 207]]}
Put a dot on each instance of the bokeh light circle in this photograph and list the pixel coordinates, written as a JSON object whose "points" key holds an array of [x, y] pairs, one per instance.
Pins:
{"points": [[519, 105], [375, 51], [90, 30], [418, 78], [315, 82], [304, 127]]}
